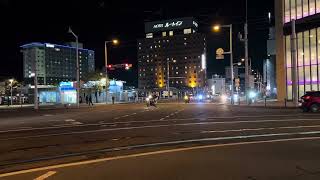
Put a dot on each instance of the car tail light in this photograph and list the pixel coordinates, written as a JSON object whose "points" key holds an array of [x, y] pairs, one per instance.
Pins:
{"points": [[306, 98]]}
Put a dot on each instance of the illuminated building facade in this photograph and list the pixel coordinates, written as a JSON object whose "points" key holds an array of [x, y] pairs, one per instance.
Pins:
{"points": [[172, 51], [55, 63], [306, 14]]}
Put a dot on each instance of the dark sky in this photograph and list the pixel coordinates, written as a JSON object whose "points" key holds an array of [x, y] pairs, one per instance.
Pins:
{"points": [[98, 20]]}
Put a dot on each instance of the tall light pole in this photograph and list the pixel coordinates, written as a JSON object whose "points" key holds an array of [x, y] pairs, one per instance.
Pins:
{"points": [[114, 42], [78, 66], [246, 45], [217, 28], [11, 84]]}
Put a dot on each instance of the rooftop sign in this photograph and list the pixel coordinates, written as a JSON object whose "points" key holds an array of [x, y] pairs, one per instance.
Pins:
{"points": [[179, 23]]}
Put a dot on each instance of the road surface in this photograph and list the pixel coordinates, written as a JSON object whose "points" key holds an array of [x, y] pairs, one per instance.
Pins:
{"points": [[173, 141]]}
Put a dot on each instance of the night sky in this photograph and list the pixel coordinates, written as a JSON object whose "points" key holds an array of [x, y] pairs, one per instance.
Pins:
{"points": [[24, 21]]}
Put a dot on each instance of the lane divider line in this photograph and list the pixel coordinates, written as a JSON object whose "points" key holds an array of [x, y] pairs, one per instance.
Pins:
{"points": [[46, 175], [153, 153], [69, 120], [168, 120], [260, 129]]}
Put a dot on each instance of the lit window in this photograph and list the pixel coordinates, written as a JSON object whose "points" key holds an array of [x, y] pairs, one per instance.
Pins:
{"points": [[170, 33], [149, 35], [164, 34], [187, 31]]}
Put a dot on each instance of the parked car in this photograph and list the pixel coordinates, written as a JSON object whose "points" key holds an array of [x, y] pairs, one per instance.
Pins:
{"points": [[310, 101]]}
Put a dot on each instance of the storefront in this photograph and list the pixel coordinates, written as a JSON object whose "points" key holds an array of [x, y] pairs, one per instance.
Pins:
{"points": [[307, 16]]}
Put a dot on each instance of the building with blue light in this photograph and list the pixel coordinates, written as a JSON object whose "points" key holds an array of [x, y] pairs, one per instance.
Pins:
{"points": [[55, 63]]}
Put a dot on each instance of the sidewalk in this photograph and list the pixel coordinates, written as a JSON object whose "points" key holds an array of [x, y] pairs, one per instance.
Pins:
{"points": [[269, 104], [56, 106]]}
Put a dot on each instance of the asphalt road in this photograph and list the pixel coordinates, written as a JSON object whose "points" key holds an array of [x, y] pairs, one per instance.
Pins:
{"points": [[173, 141]]}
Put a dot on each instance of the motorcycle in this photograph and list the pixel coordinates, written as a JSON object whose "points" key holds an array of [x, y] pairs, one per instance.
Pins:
{"points": [[151, 101], [186, 99]]}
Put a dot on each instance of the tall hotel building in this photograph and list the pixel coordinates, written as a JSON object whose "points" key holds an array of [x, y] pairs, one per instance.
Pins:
{"points": [[173, 54], [55, 63], [307, 16]]}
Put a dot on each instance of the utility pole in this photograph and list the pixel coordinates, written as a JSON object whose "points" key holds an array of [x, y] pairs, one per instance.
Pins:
{"points": [[77, 66], [36, 103], [106, 66], [168, 78], [294, 62], [247, 85], [231, 66]]}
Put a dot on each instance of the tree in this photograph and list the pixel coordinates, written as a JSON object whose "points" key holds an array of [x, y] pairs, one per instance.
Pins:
{"points": [[15, 84], [96, 81]]}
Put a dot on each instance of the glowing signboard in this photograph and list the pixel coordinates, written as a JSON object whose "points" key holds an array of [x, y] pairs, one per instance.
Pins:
{"points": [[181, 23]]}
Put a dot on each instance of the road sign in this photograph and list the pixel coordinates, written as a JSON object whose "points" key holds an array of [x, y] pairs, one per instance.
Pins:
{"points": [[220, 53]]}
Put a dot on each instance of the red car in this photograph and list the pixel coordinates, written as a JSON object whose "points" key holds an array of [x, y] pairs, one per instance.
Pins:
{"points": [[310, 101]]}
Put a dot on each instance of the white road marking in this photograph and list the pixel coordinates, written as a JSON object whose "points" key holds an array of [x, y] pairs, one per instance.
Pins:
{"points": [[69, 120], [254, 116], [166, 120], [125, 116], [151, 154], [161, 119], [117, 118], [48, 115], [45, 176], [144, 127], [76, 123], [260, 129]]}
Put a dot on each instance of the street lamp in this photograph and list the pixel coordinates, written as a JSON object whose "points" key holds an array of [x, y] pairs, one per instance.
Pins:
{"points": [[114, 42], [78, 66], [11, 84], [217, 28]]}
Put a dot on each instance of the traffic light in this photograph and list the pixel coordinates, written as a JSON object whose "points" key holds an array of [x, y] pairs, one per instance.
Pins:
{"points": [[128, 66]]}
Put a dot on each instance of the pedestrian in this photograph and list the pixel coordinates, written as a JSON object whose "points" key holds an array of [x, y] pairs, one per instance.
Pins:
{"points": [[80, 100], [90, 101], [113, 99], [87, 99]]}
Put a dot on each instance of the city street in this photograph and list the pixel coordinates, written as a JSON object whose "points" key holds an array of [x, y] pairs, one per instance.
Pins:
{"points": [[172, 141]]}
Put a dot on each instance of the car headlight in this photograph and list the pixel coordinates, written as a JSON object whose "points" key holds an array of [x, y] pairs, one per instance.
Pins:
{"points": [[224, 98]]}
